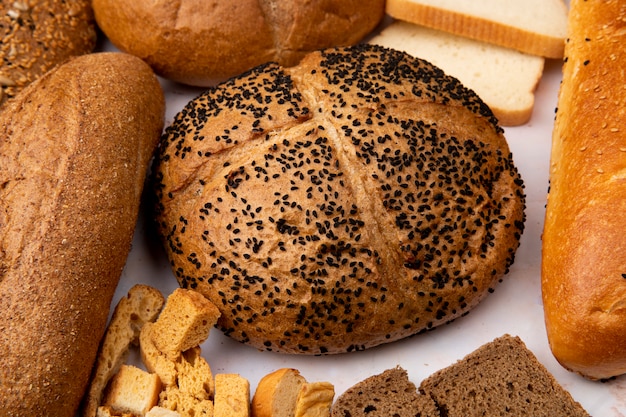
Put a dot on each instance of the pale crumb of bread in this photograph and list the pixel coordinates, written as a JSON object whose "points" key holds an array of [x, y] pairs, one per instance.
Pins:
{"points": [[315, 399], [194, 376], [106, 411], [232, 396], [154, 360], [132, 390], [185, 322], [158, 411]]}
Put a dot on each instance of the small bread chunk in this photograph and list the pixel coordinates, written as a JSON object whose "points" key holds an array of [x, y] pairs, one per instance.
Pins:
{"points": [[194, 376], [161, 412], [500, 377], [154, 360], [315, 399], [232, 396], [106, 411], [184, 323], [276, 393], [141, 305], [133, 390], [184, 404], [389, 393]]}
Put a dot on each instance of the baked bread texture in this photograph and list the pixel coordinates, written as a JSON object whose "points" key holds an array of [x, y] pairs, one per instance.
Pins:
{"points": [[389, 393], [583, 262], [505, 79], [355, 199], [198, 42], [37, 35], [502, 377], [535, 27], [75, 146], [141, 305]]}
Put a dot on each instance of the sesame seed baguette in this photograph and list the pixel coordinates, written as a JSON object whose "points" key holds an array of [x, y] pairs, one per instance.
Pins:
{"points": [[37, 35], [583, 262], [355, 199], [74, 151]]}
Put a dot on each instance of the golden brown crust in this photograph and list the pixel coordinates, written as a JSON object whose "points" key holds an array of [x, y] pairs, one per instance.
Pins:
{"points": [[37, 35], [276, 393], [74, 150], [198, 42], [583, 264], [353, 200]]}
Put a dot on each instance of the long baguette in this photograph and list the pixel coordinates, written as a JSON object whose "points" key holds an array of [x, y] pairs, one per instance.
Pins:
{"points": [[584, 239], [74, 150]]}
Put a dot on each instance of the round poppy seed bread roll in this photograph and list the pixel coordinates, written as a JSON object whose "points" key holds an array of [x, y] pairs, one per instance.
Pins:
{"points": [[355, 199]]}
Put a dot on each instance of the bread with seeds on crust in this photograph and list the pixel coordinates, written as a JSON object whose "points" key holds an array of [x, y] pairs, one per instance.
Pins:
{"points": [[583, 264], [38, 35], [358, 198], [199, 42]]}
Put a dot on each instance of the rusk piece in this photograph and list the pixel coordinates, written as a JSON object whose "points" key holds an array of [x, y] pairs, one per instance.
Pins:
{"points": [[358, 198], [232, 396], [583, 262], [74, 151], [503, 78], [199, 42], [132, 390], [389, 393], [141, 305], [500, 378], [535, 27], [38, 35]]}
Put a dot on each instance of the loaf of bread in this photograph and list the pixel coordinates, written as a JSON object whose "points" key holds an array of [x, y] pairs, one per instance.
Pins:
{"points": [[358, 198], [583, 262], [505, 79], [37, 35], [74, 151], [198, 42], [535, 27]]}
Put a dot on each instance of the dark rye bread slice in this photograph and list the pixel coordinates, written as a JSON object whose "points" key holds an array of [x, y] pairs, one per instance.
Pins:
{"points": [[389, 393], [500, 378], [360, 197]]}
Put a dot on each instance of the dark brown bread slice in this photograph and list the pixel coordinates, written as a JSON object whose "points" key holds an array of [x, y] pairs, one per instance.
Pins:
{"points": [[500, 378], [390, 393]]}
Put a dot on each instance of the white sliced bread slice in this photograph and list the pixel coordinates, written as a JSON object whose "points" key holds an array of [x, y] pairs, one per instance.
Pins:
{"points": [[503, 78], [536, 27]]}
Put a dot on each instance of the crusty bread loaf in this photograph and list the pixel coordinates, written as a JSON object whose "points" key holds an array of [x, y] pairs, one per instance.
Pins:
{"points": [[141, 305], [500, 378], [198, 42], [583, 262], [535, 27], [74, 149], [357, 198], [503, 78], [37, 35], [276, 393], [132, 390], [389, 393]]}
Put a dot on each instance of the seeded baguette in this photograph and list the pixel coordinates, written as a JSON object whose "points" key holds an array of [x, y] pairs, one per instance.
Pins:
{"points": [[74, 151], [583, 262], [37, 35], [358, 198]]}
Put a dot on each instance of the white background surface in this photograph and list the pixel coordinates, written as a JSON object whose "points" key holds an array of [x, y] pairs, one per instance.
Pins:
{"points": [[515, 307]]}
